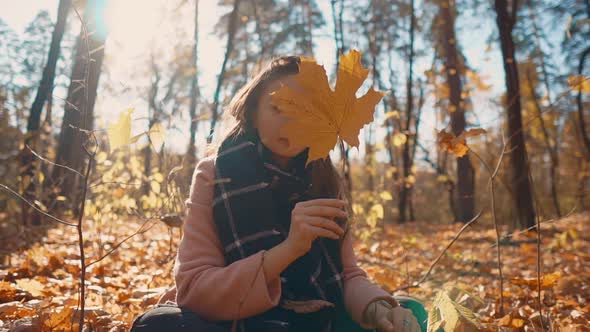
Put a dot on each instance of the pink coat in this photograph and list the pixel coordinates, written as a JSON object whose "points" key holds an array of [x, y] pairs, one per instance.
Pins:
{"points": [[208, 286]]}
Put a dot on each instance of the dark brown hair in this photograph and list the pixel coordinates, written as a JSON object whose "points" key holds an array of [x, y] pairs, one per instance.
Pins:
{"points": [[326, 182]]}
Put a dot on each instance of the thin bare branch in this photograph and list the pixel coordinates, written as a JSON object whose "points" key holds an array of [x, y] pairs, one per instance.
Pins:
{"points": [[433, 264], [2, 186], [52, 163]]}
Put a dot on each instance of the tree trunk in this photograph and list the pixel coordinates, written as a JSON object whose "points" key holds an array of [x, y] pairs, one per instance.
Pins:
{"points": [[552, 148], [79, 106], [525, 210], [43, 95], [371, 35], [336, 32], [581, 190], [195, 94], [309, 25], [153, 117], [454, 71], [414, 146], [46, 85], [231, 31], [339, 41], [403, 195], [547, 141], [581, 119]]}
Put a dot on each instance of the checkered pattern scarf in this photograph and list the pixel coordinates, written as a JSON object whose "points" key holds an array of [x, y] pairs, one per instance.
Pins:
{"points": [[253, 200]]}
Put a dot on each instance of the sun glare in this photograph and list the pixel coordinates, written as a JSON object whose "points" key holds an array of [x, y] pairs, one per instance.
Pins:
{"points": [[132, 23]]}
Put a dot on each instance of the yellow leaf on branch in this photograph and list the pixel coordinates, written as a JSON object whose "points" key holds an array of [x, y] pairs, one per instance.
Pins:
{"points": [[579, 83], [318, 114], [157, 133], [386, 196], [457, 145], [120, 132], [399, 139]]}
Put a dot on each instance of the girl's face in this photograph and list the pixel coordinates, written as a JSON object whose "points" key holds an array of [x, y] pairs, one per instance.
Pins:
{"points": [[268, 119]]}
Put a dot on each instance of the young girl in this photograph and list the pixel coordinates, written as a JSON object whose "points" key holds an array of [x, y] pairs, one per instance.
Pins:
{"points": [[266, 245]]}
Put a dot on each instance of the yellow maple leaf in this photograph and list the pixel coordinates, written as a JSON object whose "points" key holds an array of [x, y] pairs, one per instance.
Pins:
{"points": [[318, 114]]}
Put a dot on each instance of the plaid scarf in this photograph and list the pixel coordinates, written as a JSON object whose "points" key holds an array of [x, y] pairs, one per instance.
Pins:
{"points": [[253, 200]]}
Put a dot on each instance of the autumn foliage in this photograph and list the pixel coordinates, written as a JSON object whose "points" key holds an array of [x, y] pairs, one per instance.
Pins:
{"points": [[40, 289]]}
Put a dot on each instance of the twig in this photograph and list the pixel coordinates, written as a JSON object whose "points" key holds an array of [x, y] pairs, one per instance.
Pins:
{"points": [[455, 238], [493, 175], [99, 183], [115, 247], [82, 298], [52, 163], [538, 245], [550, 221], [81, 243], [2, 186]]}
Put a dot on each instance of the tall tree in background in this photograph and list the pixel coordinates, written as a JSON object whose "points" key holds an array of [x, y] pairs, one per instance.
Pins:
{"points": [[164, 98], [576, 49], [550, 137], [406, 163], [304, 15], [374, 34], [337, 10], [252, 44], [194, 93], [14, 94], [505, 21], [337, 13], [546, 124], [447, 49], [232, 22], [44, 92], [36, 41], [79, 107], [256, 31]]}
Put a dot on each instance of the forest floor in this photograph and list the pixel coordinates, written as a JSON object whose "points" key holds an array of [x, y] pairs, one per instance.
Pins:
{"points": [[40, 282]]}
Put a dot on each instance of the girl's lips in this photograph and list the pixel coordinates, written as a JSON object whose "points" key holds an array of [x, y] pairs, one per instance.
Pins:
{"points": [[284, 141]]}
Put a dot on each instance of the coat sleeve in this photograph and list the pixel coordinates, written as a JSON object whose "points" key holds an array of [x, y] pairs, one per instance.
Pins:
{"points": [[358, 290], [205, 283]]}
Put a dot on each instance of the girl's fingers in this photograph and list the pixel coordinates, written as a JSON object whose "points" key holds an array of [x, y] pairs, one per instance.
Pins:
{"points": [[325, 211], [319, 231], [385, 325], [398, 315], [334, 202], [326, 223]]}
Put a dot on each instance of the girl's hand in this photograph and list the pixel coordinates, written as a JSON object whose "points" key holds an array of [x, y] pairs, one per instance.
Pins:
{"points": [[313, 218], [387, 319]]}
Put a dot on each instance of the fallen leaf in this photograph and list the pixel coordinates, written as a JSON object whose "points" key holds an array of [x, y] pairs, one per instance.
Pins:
{"points": [[547, 281], [32, 286]]}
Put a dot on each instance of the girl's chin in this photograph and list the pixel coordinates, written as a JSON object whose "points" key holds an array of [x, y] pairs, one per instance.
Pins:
{"points": [[287, 151]]}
